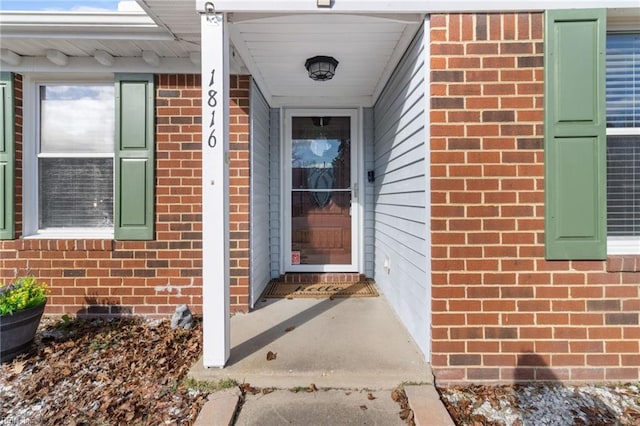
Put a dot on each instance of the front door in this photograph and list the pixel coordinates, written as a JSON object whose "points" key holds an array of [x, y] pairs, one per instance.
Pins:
{"points": [[321, 191]]}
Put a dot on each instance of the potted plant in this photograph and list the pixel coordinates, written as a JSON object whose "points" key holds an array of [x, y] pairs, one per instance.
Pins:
{"points": [[21, 306]]}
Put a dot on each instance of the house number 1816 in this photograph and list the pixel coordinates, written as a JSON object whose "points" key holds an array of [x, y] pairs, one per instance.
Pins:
{"points": [[212, 102]]}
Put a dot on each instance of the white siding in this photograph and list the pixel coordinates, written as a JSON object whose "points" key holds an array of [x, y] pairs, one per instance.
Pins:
{"points": [[260, 184], [274, 193], [401, 192]]}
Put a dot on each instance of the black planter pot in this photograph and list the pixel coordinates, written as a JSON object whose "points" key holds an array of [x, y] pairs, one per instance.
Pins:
{"points": [[18, 330]]}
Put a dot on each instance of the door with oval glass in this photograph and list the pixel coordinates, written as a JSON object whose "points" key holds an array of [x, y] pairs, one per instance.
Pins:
{"points": [[321, 191]]}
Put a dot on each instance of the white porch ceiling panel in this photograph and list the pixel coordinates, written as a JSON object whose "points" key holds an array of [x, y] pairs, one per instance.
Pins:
{"points": [[178, 17], [171, 30], [274, 49]]}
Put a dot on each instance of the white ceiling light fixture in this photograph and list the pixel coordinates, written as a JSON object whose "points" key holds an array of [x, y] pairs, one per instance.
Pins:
{"points": [[151, 58], [10, 57], [104, 58], [57, 57]]}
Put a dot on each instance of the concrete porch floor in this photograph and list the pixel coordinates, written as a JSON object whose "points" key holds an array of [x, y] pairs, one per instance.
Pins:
{"points": [[340, 343]]}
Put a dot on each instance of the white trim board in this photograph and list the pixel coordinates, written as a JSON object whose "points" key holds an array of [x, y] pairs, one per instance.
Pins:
{"points": [[409, 6], [215, 193], [90, 65]]}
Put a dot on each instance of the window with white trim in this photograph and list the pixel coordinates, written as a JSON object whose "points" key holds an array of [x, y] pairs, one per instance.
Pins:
{"points": [[74, 159], [623, 143]]}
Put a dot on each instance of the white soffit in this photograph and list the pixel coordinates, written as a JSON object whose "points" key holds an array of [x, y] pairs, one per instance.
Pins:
{"points": [[136, 25], [274, 49], [178, 17], [119, 38]]}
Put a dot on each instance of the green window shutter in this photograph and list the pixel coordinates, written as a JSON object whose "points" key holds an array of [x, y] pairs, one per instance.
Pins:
{"points": [[7, 157], [575, 134], [134, 157]]}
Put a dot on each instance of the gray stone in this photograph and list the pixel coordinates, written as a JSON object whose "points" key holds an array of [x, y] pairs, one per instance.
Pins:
{"points": [[182, 318]]}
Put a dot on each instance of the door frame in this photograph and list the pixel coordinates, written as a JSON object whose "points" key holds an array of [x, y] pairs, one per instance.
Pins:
{"points": [[357, 193]]}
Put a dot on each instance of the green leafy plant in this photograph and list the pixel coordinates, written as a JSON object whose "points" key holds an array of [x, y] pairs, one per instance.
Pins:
{"points": [[22, 294]]}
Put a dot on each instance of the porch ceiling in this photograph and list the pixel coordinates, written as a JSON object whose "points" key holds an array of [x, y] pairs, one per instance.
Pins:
{"points": [[274, 49], [124, 34]]}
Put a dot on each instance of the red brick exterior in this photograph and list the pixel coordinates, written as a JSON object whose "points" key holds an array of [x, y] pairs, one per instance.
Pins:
{"points": [[105, 277], [501, 312], [239, 181]]}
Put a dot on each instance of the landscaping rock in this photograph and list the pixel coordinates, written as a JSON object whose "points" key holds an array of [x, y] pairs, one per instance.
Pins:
{"points": [[182, 318]]}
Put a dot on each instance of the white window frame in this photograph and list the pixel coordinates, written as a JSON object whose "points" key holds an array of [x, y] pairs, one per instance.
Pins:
{"points": [[30, 154], [617, 245]]}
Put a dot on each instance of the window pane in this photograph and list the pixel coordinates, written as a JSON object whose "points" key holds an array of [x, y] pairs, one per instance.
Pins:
{"points": [[321, 153], [623, 80], [77, 119], [76, 192], [623, 186]]}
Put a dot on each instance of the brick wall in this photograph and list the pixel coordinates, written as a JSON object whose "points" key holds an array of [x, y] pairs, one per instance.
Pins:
{"points": [[500, 311], [105, 277], [239, 180]]}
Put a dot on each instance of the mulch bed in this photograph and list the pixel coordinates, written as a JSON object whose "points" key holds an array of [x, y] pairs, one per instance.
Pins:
{"points": [[118, 371]]}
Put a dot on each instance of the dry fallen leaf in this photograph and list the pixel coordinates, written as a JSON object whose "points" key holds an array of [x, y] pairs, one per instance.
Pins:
{"points": [[288, 329], [18, 366], [271, 356], [312, 388], [395, 395], [110, 369], [370, 396], [363, 407], [347, 393], [247, 388], [404, 414]]}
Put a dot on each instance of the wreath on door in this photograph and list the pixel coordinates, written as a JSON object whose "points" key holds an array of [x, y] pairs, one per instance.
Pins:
{"points": [[320, 179]]}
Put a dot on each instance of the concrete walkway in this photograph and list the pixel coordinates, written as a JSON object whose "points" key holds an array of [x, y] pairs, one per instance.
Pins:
{"points": [[341, 346]]}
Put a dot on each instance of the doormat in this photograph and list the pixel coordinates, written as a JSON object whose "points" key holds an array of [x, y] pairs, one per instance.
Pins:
{"points": [[277, 289]]}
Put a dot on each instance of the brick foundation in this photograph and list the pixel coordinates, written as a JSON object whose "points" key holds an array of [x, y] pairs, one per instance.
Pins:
{"points": [[501, 312]]}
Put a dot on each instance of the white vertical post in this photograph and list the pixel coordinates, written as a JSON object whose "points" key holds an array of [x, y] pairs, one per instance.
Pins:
{"points": [[427, 188], [215, 192]]}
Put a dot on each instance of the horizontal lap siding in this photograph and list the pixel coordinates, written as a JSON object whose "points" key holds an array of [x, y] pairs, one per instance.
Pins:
{"points": [[274, 193], [260, 194], [400, 214]]}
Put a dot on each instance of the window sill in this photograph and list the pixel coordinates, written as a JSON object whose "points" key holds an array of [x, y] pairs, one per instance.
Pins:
{"points": [[71, 234]]}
